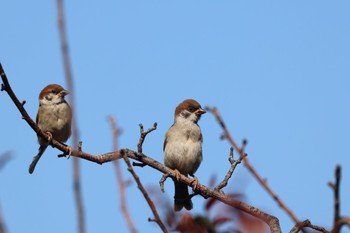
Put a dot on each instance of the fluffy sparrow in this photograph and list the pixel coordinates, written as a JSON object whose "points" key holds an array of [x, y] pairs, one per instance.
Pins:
{"points": [[54, 117], [183, 149]]}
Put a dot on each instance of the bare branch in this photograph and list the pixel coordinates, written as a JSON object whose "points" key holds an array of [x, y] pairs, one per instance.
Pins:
{"points": [[307, 223], [339, 221], [342, 221], [336, 189], [233, 163], [143, 135], [246, 162], [119, 178], [69, 80], [145, 194], [270, 220]]}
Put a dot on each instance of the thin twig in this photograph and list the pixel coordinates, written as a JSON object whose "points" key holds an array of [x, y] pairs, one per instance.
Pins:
{"points": [[75, 135], [339, 221], [336, 188], [233, 163], [307, 223], [145, 194], [119, 178], [246, 162], [143, 136], [270, 220]]}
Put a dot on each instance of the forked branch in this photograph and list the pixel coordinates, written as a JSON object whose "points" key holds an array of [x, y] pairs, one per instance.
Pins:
{"points": [[270, 220]]}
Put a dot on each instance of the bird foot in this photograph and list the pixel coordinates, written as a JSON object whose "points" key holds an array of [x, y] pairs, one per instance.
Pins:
{"points": [[49, 136], [69, 151], [177, 174], [195, 183]]}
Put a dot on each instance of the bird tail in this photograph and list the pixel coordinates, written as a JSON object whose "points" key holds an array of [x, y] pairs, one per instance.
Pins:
{"points": [[36, 158], [181, 198]]}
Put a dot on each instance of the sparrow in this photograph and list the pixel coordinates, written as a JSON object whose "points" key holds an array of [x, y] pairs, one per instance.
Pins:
{"points": [[183, 149], [54, 117]]}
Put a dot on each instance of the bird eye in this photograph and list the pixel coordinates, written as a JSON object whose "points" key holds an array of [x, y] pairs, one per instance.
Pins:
{"points": [[54, 91], [191, 109]]}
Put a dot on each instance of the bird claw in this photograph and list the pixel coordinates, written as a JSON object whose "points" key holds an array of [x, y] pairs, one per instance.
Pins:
{"points": [[177, 174], [49, 136], [69, 150], [195, 183]]}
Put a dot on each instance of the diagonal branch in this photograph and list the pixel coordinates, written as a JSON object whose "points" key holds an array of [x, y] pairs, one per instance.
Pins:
{"points": [[233, 163], [270, 220], [307, 223], [75, 135], [119, 178], [252, 170], [145, 194]]}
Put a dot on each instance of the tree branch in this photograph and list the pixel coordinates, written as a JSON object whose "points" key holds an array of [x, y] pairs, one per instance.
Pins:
{"points": [[119, 178], [145, 194], [336, 188], [246, 162], [143, 136], [339, 221], [75, 134], [233, 163], [270, 220], [307, 223]]}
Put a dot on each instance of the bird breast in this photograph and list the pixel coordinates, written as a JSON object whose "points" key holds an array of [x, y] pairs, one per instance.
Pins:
{"points": [[183, 150], [56, 118]]}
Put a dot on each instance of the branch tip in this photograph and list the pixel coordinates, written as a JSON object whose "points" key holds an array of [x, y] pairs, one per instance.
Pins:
{"points": [[138, 164], [80, 146], [143, 136]]}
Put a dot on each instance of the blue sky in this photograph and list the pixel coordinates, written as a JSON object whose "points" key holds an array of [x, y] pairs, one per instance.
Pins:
{"points": [[277, 70]]}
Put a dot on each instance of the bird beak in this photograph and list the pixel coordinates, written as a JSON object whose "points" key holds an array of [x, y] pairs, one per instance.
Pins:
{"points": [[200, 111], [63, 93]]}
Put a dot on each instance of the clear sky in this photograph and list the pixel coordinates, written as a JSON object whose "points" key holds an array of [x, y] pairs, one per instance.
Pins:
{"points": [[277, 70]]}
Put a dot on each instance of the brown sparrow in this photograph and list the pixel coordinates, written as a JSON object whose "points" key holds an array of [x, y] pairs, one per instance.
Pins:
{"points": [[54, 117], [183, 149]]}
